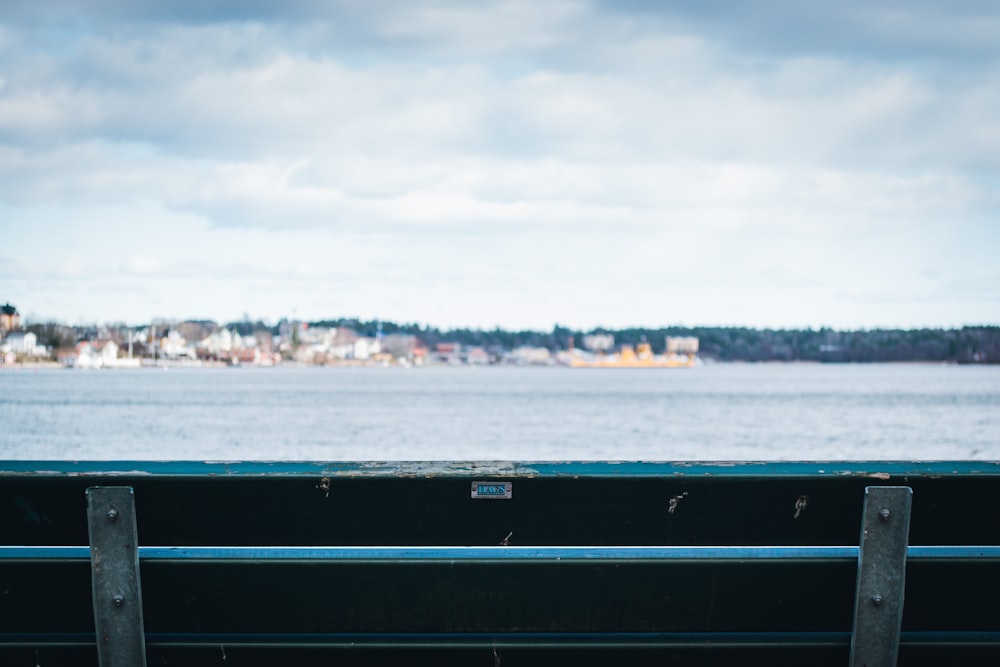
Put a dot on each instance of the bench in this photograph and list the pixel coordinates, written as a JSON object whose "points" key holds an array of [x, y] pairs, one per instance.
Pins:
{"points": [[254, 563]]}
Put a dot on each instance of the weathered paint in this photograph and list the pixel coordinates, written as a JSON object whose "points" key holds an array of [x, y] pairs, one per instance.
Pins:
{"points": [[882, 470]]}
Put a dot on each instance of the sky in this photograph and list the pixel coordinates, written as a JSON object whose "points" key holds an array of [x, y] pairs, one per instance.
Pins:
{"points": [[515, 164]]}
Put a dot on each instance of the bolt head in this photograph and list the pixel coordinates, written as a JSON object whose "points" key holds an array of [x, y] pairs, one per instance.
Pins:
{"points": [[112, 514], [876, 599], [119, 600], [884, 514]]}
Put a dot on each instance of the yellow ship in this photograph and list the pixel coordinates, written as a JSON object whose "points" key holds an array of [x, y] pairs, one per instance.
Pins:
{"points": [[676, 356]]}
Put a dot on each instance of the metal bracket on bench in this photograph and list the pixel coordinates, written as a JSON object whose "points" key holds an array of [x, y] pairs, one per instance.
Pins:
{"points": [[114, 560], [878, 611]]}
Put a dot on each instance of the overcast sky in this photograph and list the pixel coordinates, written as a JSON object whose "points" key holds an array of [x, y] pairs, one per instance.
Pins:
{"points": [[519, 164]]}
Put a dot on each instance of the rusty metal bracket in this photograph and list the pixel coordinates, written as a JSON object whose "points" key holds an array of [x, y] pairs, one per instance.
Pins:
{"points": [[878, 611], [114, 562]]}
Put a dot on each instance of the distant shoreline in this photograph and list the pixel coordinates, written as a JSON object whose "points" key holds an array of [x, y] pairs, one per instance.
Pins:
{"points": [[218, 365]]}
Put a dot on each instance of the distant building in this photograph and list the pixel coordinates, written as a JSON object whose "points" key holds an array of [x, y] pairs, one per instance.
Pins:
{"points": [[107, 351], [365, 348], [221, 343], [22, 343], [400, 346], [94, 354], [526, 355], [10, 319], [83, 356], [448, 353], [477, 356], [682, 345], [599, 342], [174, 346], [194, 330], [340, 343]]}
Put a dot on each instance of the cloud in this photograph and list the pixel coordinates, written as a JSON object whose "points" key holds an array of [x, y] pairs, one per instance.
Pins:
{"points": [[895, 30], [201, 92], [142, 264], [474, 194], [383, 147]]}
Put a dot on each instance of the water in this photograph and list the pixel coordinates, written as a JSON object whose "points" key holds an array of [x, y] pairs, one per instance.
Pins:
{"points": [[715, 412]]}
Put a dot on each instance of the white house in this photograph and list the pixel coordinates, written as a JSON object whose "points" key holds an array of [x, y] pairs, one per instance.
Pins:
{"points": [[531, 355], [174, 346], [107, 350], [98, 354], [222, 342], [365, 347], [23, 342]]}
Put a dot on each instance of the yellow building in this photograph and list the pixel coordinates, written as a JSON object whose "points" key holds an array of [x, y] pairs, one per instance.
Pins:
{"points": [[9, 318]]}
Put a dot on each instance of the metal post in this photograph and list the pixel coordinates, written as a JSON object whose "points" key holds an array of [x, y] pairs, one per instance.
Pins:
{"points": [[878, 611], [114, 560]]}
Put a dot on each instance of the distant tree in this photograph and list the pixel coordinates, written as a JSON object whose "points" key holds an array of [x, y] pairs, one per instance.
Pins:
{"points": [[53, 335]]}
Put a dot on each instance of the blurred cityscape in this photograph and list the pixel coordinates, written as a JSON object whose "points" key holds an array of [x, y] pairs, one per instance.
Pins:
{"points": [[351, 342]]}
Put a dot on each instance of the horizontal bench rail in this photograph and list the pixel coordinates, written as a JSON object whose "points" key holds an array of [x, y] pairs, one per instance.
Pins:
{"points": [[503, 554]]}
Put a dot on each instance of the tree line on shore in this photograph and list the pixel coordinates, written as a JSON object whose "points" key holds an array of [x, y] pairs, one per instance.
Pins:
{"points": [[970, 344]]}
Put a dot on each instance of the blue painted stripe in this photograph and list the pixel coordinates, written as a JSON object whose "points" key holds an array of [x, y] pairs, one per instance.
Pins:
{"points": [[44, 553], [675, 553], [942, 552], [501, 469], [499, 553]]}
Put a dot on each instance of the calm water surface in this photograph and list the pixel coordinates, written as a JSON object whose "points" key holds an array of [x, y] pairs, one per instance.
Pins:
{"points": [[714, 412]]}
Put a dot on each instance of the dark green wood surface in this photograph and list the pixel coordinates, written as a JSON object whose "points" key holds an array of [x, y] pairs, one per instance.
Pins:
{"points": [[332, 604]]}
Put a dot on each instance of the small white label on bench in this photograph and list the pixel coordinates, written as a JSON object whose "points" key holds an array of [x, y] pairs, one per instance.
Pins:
{"points": [[493, 490]]}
